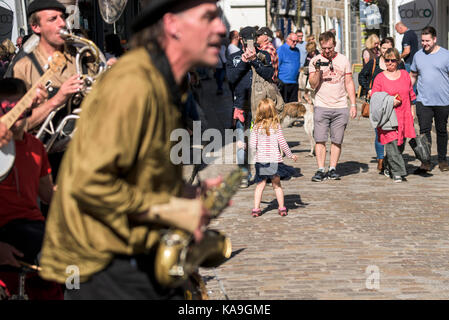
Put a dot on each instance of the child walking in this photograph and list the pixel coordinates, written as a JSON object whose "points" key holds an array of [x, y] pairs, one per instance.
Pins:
{"points": [[266, 137]]}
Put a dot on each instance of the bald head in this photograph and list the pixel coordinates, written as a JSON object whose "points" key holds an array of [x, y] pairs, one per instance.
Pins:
{"points": [[400, 27]]}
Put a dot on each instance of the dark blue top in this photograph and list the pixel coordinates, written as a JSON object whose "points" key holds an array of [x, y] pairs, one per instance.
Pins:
{"points": [[410, 39]]}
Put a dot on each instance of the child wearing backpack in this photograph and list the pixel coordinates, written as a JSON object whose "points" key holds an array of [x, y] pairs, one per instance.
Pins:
{"points": [[265, 139]]}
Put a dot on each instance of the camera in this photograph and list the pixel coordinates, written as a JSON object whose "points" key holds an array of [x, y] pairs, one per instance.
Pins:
{"points": [[319, 64]]}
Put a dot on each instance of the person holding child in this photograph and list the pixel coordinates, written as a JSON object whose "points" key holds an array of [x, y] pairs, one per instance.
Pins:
{"points": [[266, 137]]}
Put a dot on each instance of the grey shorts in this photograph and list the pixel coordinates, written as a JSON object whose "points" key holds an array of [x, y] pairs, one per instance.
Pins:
{"points": [[330, 118]]}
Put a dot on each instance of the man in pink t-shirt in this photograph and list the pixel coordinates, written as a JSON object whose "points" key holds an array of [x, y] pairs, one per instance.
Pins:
{"points": [[331, 77]]}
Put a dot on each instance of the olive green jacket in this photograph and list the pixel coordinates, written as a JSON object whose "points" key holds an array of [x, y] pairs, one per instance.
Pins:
{"points": [[118, 165]]}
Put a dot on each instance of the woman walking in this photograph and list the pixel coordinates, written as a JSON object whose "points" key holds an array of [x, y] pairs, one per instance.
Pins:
{"points": [[366, 78], [396, 83]]}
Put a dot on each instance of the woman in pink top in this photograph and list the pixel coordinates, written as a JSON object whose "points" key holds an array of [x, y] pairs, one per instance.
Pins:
{"points": [[266, 137], [396, 83]]}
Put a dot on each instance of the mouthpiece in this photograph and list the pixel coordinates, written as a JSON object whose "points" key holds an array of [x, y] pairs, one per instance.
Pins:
{"points": [[64, 33]]}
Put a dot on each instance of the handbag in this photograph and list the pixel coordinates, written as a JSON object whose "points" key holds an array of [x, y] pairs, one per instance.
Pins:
{"points": [[365, 105], [421, 147]]}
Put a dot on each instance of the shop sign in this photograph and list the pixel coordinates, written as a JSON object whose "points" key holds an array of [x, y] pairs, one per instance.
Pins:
{"points": [[417, 14], [6, 19]]}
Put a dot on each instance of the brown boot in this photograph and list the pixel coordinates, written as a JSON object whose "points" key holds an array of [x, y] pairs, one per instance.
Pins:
{"points": [[443, 165], [380, 165], [424, 168]]}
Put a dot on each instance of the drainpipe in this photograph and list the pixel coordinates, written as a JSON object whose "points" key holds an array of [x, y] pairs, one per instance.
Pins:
{"points": [[347, 22], [24, 13], [391, 15]]}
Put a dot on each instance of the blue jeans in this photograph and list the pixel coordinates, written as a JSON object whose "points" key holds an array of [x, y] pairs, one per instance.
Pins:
{"points": [[378, 146], [242, 155]]}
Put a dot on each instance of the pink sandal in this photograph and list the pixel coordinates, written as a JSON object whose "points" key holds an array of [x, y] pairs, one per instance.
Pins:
{"points": [[256, 213], [282, 211]]}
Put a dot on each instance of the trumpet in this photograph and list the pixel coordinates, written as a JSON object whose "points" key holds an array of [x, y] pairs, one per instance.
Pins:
{"points": [[56, 136]]}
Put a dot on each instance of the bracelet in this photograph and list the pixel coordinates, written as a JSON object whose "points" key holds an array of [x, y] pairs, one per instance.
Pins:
{"points": [[353, 105]]}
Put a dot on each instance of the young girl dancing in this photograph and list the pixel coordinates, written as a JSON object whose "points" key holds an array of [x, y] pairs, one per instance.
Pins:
{"points": [[266, 137]]}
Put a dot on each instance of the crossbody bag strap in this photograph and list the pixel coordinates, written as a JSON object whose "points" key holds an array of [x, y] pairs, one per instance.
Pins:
{"points": [[35, 63], [372, 73]]}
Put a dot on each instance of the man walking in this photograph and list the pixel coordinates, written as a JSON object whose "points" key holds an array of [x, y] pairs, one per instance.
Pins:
{"points": [[240, 73], [331, 77], [289, 62], [431, 68], [409, 44]]}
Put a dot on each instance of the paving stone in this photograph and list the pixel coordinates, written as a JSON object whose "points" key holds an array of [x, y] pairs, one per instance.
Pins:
{"points": [[334, 229]]}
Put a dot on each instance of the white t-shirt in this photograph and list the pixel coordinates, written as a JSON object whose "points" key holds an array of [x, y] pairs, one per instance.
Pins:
{"points": [[332, 91]]}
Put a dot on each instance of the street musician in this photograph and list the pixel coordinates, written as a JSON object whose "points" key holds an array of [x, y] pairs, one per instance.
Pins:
{"points": [[117, 187]]}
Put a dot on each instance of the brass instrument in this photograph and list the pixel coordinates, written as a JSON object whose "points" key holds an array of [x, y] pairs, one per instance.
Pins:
{"points": [[178, 256], [57, 136]]}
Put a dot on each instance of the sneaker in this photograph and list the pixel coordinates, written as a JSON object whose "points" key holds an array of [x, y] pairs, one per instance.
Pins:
{"points": [[333, 175], [387, 173], [244, 183], [319, 176], [397, 179]]}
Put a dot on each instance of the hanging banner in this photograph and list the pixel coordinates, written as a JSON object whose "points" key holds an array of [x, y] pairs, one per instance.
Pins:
{"points": [[111, 10], [292, 8], [282, 7]]}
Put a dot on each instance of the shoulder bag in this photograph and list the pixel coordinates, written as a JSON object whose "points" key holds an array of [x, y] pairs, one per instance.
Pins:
{"points": [[365, 105]]}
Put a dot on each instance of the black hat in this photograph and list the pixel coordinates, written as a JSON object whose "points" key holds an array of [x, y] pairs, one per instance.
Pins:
{"points": [[38, 5], [248, 33], [264, 31], [153, 11]]}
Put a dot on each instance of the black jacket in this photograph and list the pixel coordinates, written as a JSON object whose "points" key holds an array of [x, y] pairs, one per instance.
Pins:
{"points": [[367, 74], [239, 74]]}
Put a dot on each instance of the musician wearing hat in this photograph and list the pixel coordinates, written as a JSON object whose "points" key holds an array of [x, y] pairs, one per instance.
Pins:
{"points": [[239, 73], [47, 18], [117, 186]]}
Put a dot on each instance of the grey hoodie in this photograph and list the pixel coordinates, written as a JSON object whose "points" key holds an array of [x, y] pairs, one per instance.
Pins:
{"points": [[381, 111]]}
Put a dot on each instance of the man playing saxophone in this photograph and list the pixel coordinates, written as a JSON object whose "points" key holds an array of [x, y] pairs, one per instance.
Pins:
{"points": [[117, 187]]}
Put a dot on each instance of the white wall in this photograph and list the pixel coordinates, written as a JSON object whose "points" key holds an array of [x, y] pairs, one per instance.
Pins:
{"points": [[242, 13]]}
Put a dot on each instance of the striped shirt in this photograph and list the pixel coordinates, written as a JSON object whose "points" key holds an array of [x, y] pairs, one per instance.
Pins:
{"points": [[268, 47], [267, 147]]}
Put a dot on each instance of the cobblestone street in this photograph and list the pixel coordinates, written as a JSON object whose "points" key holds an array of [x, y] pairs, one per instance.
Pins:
{"points": [[336, 232]]}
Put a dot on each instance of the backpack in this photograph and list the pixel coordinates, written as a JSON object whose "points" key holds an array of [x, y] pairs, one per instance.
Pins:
{"points": [[261, 89]]}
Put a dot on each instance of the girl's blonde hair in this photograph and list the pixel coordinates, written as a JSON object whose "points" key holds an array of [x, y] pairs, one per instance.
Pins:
{"points": [[266, 116], [372, 39]]}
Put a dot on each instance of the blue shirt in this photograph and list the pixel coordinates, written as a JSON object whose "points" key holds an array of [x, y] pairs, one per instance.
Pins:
{"points": [[433, 77], [303, 51], [289, 61]]}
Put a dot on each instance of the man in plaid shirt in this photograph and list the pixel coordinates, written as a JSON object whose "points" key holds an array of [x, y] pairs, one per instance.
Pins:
{"points": [[264, 37]]}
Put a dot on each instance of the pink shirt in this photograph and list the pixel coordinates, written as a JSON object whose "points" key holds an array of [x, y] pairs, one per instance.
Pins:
{"points": [[403, 86], [332, 91], [267, 147]]}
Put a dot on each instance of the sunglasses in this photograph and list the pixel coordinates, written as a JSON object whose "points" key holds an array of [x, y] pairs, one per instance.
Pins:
{"points": [[391, 60], [7, 106]]}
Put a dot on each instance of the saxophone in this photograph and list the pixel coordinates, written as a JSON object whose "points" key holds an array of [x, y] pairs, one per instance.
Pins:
{"points": [[178, 256]]}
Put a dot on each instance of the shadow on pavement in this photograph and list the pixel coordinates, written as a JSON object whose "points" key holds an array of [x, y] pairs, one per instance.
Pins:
{"points": [[351, 167], [292, 201]]}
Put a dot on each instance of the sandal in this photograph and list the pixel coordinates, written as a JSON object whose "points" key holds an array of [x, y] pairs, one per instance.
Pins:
{"points": [[282, 211], [256, 213]]}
